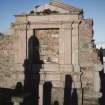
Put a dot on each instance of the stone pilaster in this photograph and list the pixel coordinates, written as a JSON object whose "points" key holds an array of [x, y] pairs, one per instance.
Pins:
{"points": [[41, 93], [75, 43], [65, 42]]}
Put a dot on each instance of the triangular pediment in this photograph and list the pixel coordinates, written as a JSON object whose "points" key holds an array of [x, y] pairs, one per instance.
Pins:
{"points": [[57, 7]]}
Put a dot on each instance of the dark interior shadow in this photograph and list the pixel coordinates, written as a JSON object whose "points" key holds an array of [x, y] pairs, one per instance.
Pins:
{"points": [[47, 93], [56, 103], [102, 90], [32, 66], [67, 90], [101, 54], [19, 88], [5, 96], [74, 97]]}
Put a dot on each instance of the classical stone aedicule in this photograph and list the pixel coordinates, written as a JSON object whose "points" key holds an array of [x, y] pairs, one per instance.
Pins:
{"points": [[56, 42]]}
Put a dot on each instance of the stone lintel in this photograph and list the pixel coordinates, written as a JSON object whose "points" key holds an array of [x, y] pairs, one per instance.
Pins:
{"points": [[50, 67], [66, 68], [60, 68]]}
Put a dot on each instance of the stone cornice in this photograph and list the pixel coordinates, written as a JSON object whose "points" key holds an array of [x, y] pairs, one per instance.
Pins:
{"points": [[29, 14], [50, 22]]}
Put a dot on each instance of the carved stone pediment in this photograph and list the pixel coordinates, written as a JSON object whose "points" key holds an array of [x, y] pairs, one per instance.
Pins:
{"points": [[57, 7]]}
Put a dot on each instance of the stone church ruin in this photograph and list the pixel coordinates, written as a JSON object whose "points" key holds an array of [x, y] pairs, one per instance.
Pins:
{"points": [[53, 56]]}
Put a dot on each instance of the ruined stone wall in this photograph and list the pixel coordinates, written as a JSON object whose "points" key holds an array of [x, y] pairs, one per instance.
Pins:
{"points": [[89, 61], [87, 54], [7, 54]]}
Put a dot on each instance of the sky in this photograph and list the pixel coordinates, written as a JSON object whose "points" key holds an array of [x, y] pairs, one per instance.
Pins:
{"points": [[94, 9]]}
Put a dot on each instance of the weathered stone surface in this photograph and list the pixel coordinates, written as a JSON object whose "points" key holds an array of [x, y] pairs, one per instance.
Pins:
{"points": [[6, 61], [63, 43], [9, 71], [48, 40], [57, 95]]}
